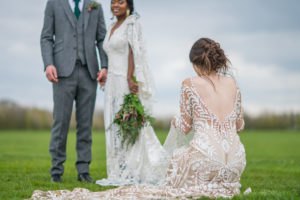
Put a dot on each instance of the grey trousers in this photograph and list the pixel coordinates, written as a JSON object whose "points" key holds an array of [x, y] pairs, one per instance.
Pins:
{"points": [[78, 87]]}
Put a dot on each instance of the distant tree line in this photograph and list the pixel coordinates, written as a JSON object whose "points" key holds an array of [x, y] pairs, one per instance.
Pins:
{"points": [[14, 116], [270, 120]]}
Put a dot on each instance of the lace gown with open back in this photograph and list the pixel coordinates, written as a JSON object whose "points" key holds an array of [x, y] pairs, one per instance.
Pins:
{"points": [[209, 164]]}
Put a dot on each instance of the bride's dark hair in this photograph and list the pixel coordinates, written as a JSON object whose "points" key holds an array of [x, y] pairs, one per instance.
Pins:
{"points": [[208, 57], [130, 5]]}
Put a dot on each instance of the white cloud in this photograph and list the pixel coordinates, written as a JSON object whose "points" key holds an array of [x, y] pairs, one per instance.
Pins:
{"points": [[21, 48], [264, 52], [267, 87]]}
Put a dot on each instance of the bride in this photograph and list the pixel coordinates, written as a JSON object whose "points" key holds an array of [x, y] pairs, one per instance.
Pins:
{"points": [[211, 163], [142, 163]]}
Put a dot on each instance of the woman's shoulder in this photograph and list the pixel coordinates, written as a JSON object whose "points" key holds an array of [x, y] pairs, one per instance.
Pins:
{"points": [[187, 82], [229, 81], [191, 81], [195, 81], [130, 20], [133, 19], [230, 85], [186, 85]]}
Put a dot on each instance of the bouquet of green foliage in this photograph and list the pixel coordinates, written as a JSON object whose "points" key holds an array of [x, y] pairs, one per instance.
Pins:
{"points": [[131, 118]]}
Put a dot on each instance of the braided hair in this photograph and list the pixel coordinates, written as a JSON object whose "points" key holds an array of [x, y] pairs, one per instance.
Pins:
{"points": [[208, 56]]}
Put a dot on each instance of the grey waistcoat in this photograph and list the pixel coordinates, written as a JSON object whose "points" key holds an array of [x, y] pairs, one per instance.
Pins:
{"points": [[80, 40]]}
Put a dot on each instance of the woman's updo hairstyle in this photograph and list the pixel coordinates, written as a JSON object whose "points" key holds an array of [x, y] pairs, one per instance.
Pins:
{"points": [[130, 6], [207, 56]]}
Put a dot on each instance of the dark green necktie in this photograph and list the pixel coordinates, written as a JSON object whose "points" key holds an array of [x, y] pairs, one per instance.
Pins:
{"points": [[77, 10]]}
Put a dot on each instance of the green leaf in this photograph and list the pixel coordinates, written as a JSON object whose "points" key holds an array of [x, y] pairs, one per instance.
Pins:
{"points": [[134, 79]]}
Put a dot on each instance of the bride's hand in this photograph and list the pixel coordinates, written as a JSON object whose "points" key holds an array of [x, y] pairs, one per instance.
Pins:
{"points": [[133, 87], [173, 121]]}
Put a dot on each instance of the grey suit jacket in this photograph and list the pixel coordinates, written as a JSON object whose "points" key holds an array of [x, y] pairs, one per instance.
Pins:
{"points": [[58, 37]]}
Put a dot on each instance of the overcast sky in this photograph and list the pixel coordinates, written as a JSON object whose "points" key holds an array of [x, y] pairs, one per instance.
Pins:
{"points": [[260, 37]]}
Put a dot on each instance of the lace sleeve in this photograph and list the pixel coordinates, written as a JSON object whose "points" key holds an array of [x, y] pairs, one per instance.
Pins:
{"points": [[240, 124], [183, 122], [141, 71]]}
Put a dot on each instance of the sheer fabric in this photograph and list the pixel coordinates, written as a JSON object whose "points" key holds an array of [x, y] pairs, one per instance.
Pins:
{"points": [[210, 164]]}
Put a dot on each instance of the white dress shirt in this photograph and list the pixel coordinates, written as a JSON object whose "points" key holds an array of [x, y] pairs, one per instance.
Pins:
{"points": [[72, 4]]}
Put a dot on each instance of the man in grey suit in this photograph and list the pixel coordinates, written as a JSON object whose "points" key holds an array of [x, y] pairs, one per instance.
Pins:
{"points": [[72, 31]]}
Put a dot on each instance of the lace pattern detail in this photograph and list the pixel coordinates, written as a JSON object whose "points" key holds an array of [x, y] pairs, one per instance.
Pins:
{"points": [[183, 122], [208, 164]]}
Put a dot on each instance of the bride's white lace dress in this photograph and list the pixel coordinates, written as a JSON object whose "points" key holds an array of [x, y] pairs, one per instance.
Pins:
{"points": [[145, 161], [210, 165]]}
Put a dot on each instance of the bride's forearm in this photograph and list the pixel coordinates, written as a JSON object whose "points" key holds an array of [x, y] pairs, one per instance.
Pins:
{"points": [[130, 64], [133, 87]]}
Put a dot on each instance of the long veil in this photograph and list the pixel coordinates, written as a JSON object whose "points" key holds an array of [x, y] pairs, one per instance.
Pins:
{"points": [[175, 140], [143, 75]]}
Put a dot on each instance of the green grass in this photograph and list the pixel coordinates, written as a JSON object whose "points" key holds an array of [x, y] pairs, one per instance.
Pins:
{"points": [[273, 164]]}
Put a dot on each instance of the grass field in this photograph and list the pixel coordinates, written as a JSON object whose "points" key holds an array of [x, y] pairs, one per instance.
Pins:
{"points": [[273, 164]]}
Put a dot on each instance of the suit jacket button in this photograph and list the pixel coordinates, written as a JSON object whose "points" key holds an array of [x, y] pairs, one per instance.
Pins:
{"points": [[74, 47], [74, 35]]}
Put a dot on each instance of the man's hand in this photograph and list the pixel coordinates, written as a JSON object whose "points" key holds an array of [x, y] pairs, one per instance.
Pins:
{"points": [[102, 76], [51, 73], [133, 87]]}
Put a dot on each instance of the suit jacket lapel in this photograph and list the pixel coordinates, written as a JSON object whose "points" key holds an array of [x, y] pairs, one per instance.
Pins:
{"points": [[69, 13], [86, 14]]}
